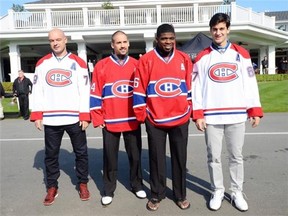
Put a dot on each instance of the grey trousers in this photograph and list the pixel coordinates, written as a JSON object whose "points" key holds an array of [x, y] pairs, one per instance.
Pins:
{"points": [[234, 139]]}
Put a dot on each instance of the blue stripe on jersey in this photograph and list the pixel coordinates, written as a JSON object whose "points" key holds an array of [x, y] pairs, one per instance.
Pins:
{"points": [[95, 102], [60, 115], [225, 113], [171, 119], [107, 91], [138, 100], [189, 95], [120, 121]]}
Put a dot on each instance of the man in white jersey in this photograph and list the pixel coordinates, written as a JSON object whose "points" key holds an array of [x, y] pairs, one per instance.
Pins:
{"points": [[224, 95], [61, 103]]}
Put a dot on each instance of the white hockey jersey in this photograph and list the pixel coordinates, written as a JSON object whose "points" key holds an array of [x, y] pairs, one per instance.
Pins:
{"points": [[61, 90], [224, 86]]}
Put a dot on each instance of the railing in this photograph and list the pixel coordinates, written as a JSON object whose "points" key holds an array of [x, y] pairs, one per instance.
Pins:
{"points": [[206, 12], [134, 17], [143, 16], [64, 19], [103, 17], [177, 15]]}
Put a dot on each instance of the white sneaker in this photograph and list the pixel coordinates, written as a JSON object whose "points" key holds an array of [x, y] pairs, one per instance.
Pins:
{"points": [[106, 200], [239, 201], [141, 194], [216, 200]]}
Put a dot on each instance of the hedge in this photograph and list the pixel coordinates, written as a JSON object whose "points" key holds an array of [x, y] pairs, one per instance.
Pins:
{"points": [[8, 86]]}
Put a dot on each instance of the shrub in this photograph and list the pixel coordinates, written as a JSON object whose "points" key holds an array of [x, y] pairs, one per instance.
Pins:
{"points": [[8, 86], [271, 77]]}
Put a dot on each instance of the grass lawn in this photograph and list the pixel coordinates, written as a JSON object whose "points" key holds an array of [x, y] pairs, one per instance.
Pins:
{"points": [[274, 96], [8, 106]]}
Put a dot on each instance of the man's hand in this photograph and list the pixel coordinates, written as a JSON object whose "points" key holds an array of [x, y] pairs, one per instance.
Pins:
{"points": [[254, 121], [83, 124], [201, 124], [38, 124], [102, 126]]}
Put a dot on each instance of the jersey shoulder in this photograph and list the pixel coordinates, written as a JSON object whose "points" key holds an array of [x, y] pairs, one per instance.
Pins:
{"points": [[202, 53], [242, 51], [79, 60], [46, 57]]}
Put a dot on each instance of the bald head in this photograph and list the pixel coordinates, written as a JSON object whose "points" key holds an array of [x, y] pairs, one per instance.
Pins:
{"points": [[58, 42], [57, 31]]}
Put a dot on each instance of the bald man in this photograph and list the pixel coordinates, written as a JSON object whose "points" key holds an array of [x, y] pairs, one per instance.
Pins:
{"points": [[61, 90]]}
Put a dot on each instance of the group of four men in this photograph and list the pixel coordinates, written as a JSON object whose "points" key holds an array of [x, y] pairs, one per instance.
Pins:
{"points": [[163, 90]]}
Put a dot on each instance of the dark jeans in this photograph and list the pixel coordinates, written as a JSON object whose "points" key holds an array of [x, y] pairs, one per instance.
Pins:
{"points": [[53, 138]]}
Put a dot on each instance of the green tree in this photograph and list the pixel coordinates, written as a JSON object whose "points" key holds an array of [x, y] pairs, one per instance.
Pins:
{"points": [[107, 5], [227, 2], [17, 8]]}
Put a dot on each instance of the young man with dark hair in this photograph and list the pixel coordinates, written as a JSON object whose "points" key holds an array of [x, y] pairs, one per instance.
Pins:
{"points": [[162, 99], [224, 95]]}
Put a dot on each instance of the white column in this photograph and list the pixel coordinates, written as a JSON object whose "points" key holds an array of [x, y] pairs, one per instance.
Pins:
{"points": [[49, 18], [149, 39], [85, 17], [271, 59], [82, 53], [1, 71], [11, 19], [122, 16], [196, 14], [159, 18], [233, 11], [15, 61]]}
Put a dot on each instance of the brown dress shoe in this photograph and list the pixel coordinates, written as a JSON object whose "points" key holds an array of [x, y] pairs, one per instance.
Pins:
{"points": [[50, 197], [84, 192]]}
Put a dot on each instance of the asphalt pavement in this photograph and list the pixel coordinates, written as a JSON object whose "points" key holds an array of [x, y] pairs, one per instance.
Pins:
{"points": [[23, 189]]}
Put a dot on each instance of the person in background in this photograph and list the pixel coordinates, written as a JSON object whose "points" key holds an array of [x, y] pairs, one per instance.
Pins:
{"points": [[22, 88], [111, 109], [225, 94], [2, 95], [265, 65], [61, 93], [283, 65], [162, 99]]}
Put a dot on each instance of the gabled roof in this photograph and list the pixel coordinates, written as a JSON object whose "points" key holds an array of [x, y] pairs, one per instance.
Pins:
{"points": [[279, 15]]}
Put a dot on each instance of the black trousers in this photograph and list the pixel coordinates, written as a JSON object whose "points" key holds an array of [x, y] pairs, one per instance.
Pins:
{"points": [[24, 105], [53, 138], [178, 138], [133, 146]]}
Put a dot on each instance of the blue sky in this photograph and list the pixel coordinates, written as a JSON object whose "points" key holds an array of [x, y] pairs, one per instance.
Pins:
{"points": [[256, 5]]}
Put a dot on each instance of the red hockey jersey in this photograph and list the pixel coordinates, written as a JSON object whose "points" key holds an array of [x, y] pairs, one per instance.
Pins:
{"points": [[162, 89], [111, 96]]}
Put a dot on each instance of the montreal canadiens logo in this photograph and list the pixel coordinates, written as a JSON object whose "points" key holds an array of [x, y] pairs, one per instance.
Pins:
{"points": [[223, 72], [123, 88], [58, 77], [168, 87]]}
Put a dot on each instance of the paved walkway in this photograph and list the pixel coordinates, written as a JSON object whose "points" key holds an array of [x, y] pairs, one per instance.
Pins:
{"points": [[23, 189]]}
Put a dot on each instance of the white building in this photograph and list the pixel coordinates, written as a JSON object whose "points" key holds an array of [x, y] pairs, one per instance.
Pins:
{"points": [[23, 35]]}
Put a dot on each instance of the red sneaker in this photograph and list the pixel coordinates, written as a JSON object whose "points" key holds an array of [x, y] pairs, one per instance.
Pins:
{"points": [[84, 192], [50, 197]]}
